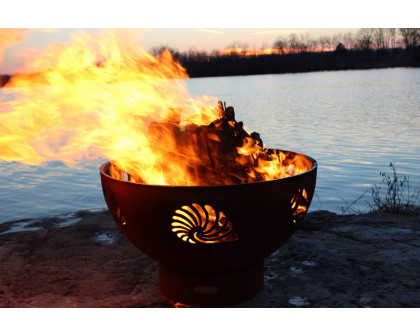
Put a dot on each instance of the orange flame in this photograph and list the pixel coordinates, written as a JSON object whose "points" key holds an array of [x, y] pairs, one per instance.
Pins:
{"points": [[105, 96]]}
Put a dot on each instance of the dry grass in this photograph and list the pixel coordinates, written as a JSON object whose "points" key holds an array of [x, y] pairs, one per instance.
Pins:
{"points": [[393, 195]]}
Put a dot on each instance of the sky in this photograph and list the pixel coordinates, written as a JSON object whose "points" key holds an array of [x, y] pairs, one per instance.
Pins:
{"points": [[185, 24], [181, 39], [220, 38]]}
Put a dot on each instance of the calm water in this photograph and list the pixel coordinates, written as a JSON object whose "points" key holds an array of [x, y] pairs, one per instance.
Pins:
{"points": [[352, 122]]}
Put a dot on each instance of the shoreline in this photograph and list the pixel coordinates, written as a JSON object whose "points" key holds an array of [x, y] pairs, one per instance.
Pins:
{"points": [[60, 220], [368, 260], [4, 78]]}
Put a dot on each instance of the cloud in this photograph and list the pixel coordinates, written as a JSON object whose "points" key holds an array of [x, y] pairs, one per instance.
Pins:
{"points": [[209, 31], [279, 32]]}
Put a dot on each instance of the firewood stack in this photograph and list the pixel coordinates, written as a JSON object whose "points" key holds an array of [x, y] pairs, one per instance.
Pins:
{"points": [[209, 153]]}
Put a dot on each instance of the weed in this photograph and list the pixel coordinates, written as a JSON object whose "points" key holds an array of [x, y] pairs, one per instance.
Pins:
{"points": [[393, 194], [352, 208]]}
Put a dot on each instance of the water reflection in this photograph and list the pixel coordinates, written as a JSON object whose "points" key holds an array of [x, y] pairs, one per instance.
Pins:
{"points": [[351, 122]]}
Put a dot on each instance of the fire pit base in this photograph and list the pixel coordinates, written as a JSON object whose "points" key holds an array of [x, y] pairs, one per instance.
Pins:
{"points": [[210, 289]]}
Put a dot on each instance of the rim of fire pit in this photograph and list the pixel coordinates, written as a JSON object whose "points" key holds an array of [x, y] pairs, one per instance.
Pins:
{"points": [[313, 161]]}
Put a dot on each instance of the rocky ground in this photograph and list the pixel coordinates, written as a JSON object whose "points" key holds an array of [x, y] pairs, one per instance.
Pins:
{"points": [[331, 261]]}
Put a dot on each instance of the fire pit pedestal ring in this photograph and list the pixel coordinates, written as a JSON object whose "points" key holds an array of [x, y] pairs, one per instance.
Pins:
{"points": [[210, 241], [211, 289]]}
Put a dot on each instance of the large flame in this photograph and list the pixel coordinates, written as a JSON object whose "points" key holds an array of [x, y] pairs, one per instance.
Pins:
{"points": [[105, 96]]}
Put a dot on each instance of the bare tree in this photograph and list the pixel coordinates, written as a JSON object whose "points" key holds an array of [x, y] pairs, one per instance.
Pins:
{"points": [[312, 44], [238, 45], [348, 40], [411, 36], [304, 42], [391, 36], [379, 37], [293, 43], [280, 44], [365, 38], [324, 42]]}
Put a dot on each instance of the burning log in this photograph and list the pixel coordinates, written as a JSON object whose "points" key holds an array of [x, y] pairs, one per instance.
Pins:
{"points": [[207, 153], [211, 153]]}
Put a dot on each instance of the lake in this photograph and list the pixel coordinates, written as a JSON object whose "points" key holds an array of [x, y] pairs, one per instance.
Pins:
{"points": [[354, 123]]}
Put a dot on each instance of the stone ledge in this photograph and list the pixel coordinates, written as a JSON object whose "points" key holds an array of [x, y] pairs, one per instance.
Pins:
{"points": [[331, 261]]}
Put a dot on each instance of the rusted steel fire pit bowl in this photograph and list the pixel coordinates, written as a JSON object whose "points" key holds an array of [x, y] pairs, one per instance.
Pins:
{"points": [[210, 241]]}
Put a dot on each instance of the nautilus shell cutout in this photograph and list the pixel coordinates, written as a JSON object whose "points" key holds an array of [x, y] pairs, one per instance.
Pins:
{"points": [[299, 205], [202, 224]]}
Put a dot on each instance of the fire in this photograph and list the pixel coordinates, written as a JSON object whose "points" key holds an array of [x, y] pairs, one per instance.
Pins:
{"points": [[104, 96]]}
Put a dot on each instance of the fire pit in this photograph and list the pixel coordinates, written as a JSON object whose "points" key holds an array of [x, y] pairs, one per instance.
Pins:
{"points": [[186, 183], [210, 241]]}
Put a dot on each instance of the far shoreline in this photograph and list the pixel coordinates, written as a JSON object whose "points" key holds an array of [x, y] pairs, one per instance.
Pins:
{"points": [[303, 62]]}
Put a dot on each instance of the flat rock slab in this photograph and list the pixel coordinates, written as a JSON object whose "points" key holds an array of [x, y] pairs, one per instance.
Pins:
{"points": [[330, 261]]}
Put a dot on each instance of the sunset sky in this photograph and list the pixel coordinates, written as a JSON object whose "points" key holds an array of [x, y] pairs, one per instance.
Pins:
{"points": [[186, 38], [181, 39], [177, 23]]}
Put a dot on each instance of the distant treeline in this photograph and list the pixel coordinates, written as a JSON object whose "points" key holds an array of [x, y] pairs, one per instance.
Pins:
{"points": [[340, 59], [368, 49]]}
